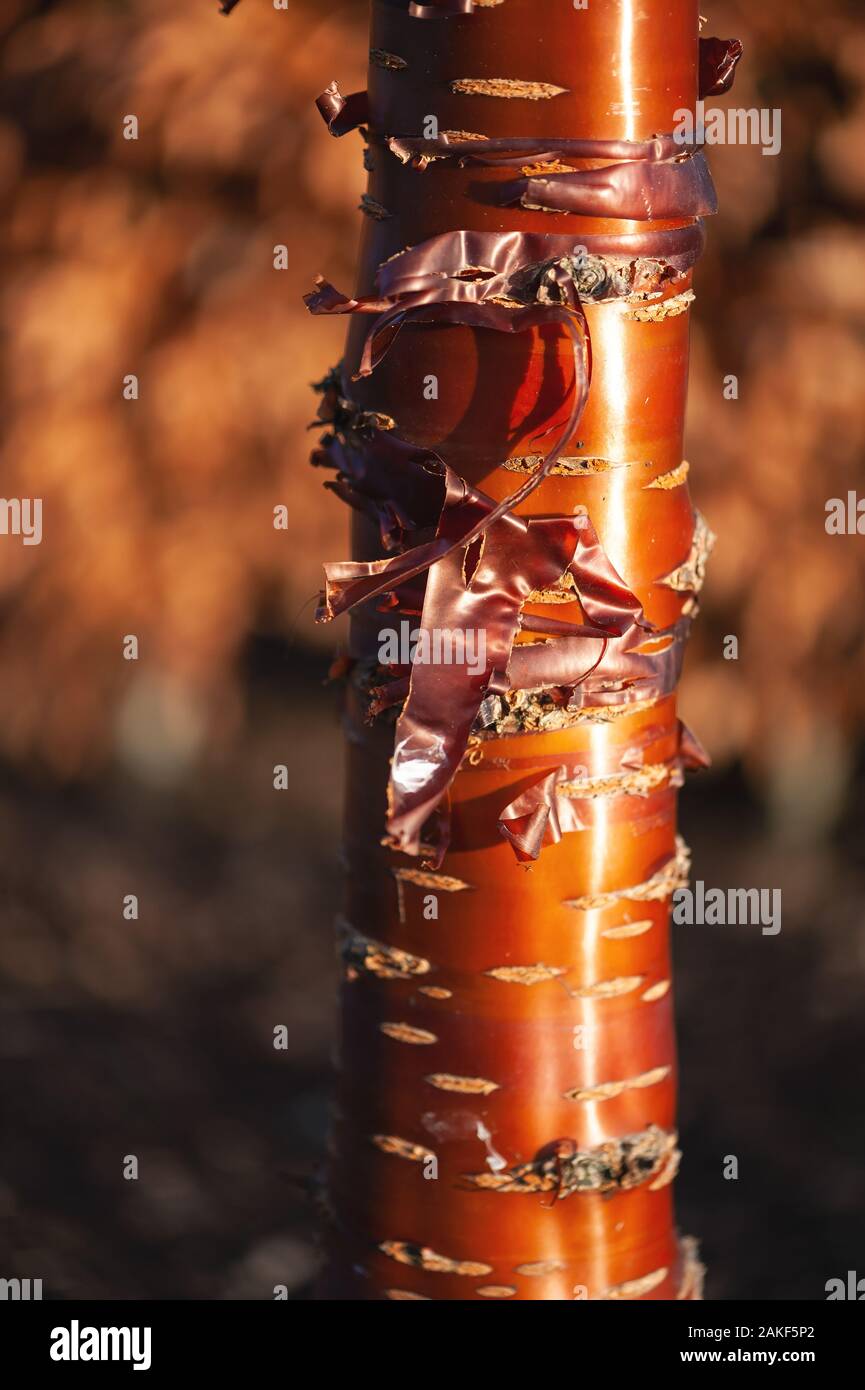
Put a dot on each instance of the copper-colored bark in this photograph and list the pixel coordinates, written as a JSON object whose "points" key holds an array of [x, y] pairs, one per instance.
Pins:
{"points": [[540, 1022]]}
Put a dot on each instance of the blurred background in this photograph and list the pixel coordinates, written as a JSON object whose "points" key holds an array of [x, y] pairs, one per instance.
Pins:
{"points": [[154, 1037]]}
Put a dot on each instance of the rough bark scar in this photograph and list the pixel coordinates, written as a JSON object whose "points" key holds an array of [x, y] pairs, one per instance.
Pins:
{"points": [[462, 1085], [664, 309], [405, 1033], [654, 992], [608, 714], [401, 1148], [693, 1271], [662, 884], [609, 1090], [421, 878], [610, 989], [690, 575], [668, 1173], [526, 711], [370, 208], [627, 929], [422, 1257], [374, 958], [640, 782], [392, 62], [538, 1269], [666, 481], [570, 467], [424, 878], [525, 974], [507, 88], [636, 1288], [618, 1165]]}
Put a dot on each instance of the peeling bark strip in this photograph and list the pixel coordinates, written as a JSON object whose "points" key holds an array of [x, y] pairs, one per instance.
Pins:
{"points": [[678, 186], [440, 9], [616, 1166], [515, 262]]}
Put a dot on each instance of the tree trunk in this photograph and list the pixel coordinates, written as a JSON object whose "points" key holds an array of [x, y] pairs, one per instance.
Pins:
{"points": [[505, 1120]]}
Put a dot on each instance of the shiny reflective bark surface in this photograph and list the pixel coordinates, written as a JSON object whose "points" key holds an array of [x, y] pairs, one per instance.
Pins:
{"points": [[505, 1117]]}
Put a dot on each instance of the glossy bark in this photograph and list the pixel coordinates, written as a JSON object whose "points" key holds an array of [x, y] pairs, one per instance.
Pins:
{"points": [[546, 1047]]}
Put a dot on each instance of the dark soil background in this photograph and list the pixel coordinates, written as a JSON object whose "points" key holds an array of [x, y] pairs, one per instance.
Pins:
{"points": [[154, 1037]]}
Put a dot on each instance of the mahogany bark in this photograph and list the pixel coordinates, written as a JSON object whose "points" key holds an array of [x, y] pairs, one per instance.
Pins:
{"points": [[506, 1108]]}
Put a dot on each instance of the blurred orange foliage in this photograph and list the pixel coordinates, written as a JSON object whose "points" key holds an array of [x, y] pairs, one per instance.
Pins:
{"points": [[154, 256]]}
